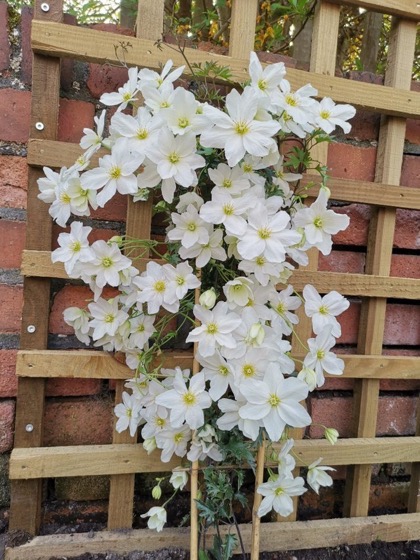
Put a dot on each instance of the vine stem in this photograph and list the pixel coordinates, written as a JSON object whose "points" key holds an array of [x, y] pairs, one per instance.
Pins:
{"points": [[194, 465], [256, 521]]}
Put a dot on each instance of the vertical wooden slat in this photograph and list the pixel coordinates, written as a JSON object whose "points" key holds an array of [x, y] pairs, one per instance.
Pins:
{"points": [[379, 253], [139, 221], [242, 28], [323, 58], [26, 496]]}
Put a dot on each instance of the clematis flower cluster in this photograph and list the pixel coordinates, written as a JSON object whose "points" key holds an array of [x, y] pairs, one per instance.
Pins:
{"points": [[238, 227]]}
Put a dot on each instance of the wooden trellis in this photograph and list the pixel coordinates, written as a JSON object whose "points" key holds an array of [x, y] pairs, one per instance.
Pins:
{"points": [[30, 462]]}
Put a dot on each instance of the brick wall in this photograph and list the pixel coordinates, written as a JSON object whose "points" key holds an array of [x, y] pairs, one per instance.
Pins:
{"points": [[80, 411]]}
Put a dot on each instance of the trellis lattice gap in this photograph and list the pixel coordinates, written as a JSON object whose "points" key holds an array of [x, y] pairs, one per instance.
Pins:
{"points": [[30, 461]]}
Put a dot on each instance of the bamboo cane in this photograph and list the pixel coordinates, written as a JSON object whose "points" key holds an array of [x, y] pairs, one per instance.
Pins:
{"points": [[256, 522]]}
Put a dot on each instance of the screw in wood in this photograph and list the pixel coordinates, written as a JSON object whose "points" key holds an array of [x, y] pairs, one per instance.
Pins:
{"points": [[45, 7], [39, 125], [29, 427], [31, 328]]}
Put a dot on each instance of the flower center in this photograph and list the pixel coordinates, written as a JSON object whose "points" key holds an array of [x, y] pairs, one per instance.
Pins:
{"points": [[142, 134], [192, 226], [223, 370], [212, 328], [227, 183], [183, 122], [325, 114], [262, 84], [241, 128], [264, 233], [164, 105], [280, 308], [189, 398], [141, 328], [109, 318], [159, 286], [273, 400], [228, 209], [260, 261], [247, 168], [126, 96], [115, 172], [290, 100], [64, 198], [174, 158], [107, 262], [76, 246], [160, 422], [320, 354], [178, 437], [129, 412], [318, 222], [323, 310], [180, 280], [278, 491], [248, 370]]}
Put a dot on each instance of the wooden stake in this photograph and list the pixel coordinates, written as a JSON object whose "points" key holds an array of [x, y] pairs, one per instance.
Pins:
{"points": [[256, 521], [194, 465]]}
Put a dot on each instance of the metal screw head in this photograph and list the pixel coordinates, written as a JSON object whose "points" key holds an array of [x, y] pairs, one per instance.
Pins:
{"points": [[29, 427], [31, 328], [45, 7], [39, 126]]}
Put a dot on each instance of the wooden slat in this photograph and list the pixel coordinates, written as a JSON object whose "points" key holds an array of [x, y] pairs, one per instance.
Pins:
{"points": [[38, 264], [413, 505], [138, 225], [96, 460], [409, 9], [95, 46], [101, 365], [378, 259], [298, 535], [26, 496]]}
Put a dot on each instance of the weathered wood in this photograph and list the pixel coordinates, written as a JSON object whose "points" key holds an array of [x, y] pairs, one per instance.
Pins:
{"points": [[38, 264], [413, 505], [26, 497], [95, 460], [409, 9], [96, 46], [298, 535], [242, 28], [378, 259], [101, 365], [52, 153]]}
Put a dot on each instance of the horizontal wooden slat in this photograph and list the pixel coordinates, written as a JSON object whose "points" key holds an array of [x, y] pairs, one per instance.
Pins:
{"points": [[95, 460], [409, 9], [276, 536], [88, 364], [51, 153], [54, 39], [38, 263], [101, 365]]}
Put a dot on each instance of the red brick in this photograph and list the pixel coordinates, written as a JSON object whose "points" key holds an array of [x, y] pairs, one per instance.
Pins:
{"points": [[400, 384], [79, 422], [405, 266], [13, 181], [115, 211], [70, 129], [15, 111], [73, 387], [351, 162], [357, 231], [342, 261], [407, 229], [349, 321], [11, 308], [25, 31], [7, 422], [8, 379], [397, 416], [70, 296], [365, 126], [332, 412], [412, 132], [410, 173], [4, 39], [272, 58], [13, 236], [105, 78], [402, 325], [389, 497]]}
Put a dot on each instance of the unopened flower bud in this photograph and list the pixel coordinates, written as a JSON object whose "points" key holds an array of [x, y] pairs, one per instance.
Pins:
{"points": [[257, 333], [149, 445], [156, 492], [331, 435], [116, 239], [208, 299]]}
